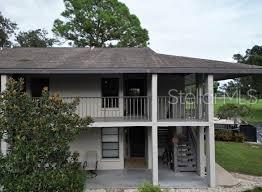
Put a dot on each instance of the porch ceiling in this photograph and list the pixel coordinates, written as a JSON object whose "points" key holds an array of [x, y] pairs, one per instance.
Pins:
{"points": [[112, 60]]}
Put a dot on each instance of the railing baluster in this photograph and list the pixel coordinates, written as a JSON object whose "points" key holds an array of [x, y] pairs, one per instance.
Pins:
{"points": [[129, 109], [148, 109], [167, 108], [144, 107], [137, 108]]}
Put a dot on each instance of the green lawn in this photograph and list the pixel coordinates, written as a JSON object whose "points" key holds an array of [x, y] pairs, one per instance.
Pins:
{"points": [[256, 114], [240, 157]]}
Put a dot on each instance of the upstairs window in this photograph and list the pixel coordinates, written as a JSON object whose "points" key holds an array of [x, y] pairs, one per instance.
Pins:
{"points": [[110, 91], [37, 86]]}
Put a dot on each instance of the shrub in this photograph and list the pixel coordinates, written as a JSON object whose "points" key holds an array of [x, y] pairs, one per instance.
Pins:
{"points": [[229, 110], [239, 137], [65, 180], [257, 189], [148, 187], [223, 135], [39, 132]]}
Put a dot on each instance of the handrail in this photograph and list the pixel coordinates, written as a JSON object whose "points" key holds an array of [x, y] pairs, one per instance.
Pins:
{"points": [[193, 139], [139, 108], [123, 108]]}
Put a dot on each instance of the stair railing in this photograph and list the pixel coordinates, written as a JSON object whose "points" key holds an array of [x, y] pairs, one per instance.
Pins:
{"points": [[192, 138]]}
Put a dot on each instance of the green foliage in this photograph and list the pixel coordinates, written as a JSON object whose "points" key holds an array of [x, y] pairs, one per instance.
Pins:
{"points": [[232, 88], [257, 189], [230, 110], [49, 180], [255, 116], [254, 57], [39, 132], [34, 38], [148, 187], [7, 28], [222, 135], [216, 86], [96, 23]]}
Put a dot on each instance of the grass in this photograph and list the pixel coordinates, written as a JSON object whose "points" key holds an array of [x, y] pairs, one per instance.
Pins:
{"points": [[256, 109], [240, 157]]}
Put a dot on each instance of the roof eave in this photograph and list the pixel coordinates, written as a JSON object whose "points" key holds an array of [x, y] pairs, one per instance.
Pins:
{"points": [[235, 71]]}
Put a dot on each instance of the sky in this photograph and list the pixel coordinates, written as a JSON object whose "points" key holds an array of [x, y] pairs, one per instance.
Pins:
{"points": [[211, 29]]}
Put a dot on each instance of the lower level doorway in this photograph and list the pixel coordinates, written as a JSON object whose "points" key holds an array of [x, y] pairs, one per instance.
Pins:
{"points": [[135, 148]]}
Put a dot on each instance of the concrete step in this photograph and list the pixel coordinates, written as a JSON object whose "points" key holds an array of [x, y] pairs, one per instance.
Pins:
{"points": [[186, 154], [186, 169], [186, 158], [186, 164]]}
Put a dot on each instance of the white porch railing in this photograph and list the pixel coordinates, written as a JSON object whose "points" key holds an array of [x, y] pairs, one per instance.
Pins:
{"points": [[139, 108], [182, 108], [114, 108]]}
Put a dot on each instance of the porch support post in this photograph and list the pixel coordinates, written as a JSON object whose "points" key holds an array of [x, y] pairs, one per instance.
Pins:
{"points": [[121, 95], [4, 145], [200, 152], [154, 130], [149, 147], [210, 135], [199, 97]]}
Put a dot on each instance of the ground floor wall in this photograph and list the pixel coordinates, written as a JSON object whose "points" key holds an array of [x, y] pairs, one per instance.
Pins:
{"points": [[90, 140]]}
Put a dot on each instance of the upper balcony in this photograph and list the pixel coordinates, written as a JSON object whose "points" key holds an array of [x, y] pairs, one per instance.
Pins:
{"points": [[129, 97], [138, 108]]}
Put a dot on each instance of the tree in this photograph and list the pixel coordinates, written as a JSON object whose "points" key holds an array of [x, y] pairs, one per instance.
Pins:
{"points": [[39, 132], [232, 88], [216, 86], [7, 28], [233, 111], [254, 57], [100, 23], [34, 38]]}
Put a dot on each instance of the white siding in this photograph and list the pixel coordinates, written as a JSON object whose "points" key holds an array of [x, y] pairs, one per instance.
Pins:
{"points": [[86, 86], [90, 140], [81, 86]]}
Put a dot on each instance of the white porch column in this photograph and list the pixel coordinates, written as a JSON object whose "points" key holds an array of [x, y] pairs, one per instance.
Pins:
{"points": [[210, 135], [149, 147], [200, 151], [121, 95], [154, 130], [4, 145], [199, 97]]}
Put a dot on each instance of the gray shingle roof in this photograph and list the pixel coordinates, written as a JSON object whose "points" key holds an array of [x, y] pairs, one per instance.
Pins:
{"points": [[111, 60]]}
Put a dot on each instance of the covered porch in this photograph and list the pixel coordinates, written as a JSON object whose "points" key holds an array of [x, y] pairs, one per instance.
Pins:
{"points": [[127, 97]]}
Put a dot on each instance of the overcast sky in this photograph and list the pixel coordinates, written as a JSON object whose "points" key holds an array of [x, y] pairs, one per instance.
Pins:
{"points": [[214, 29]]}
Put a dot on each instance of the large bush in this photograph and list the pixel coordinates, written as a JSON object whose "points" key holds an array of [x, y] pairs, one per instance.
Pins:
{"points": [[38, 133], [225, 135], [230, 110]]}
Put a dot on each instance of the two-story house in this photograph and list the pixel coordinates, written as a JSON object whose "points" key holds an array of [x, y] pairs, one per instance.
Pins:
{"points": [[151, 111]]}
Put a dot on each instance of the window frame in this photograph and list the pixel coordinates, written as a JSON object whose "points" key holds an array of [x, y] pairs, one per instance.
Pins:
{"points": [[118, 144], [111, 101]]}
